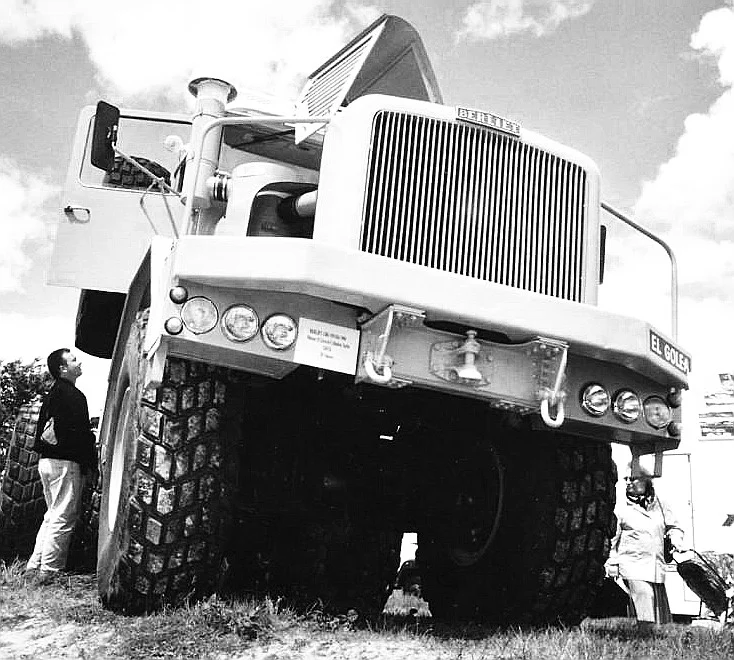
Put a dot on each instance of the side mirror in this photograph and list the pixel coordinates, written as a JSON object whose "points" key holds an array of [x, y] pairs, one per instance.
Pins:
{"points": [[104, 136]]}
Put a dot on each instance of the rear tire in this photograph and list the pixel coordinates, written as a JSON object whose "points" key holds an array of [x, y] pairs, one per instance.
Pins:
{"points": [[544, 563], [315, 523], [22, 505], [356, 571], [168, 480]]}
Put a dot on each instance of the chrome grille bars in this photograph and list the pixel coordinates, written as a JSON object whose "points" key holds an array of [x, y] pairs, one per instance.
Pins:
{"points": [[468, 200]]}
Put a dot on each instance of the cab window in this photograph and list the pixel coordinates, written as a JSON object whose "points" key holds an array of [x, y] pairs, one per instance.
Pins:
{"points": [[143, 139]]}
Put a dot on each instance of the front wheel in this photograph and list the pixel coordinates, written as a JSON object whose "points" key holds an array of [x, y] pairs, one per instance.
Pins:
{"points": [[167, 483], [526, 545]]}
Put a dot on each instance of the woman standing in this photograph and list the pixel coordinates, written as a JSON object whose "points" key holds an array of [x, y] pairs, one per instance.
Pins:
{"points": [[643, 522]]}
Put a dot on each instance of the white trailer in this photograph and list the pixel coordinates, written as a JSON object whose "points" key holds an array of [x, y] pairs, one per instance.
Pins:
{"points": [[676, 486]]}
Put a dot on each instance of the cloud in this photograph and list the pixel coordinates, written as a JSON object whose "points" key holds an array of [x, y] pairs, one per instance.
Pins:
{"points": [[493, 19], [714, 39], [26, 338], [22, 20], [24, 231], [693, 192], [691, 203], [142, 48]]}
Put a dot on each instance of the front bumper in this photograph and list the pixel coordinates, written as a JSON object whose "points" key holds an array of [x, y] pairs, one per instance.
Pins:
{"points": [[340, 284]]}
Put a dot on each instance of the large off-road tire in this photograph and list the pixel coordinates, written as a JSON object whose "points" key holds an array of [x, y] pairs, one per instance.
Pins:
{"points": [[83, 548], [22, 504], [167, 483], [353, 554], [354, 569], [536, 555], [312, 527]]}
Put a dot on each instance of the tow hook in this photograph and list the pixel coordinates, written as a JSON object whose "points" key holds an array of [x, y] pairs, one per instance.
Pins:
{"points": [[556, 422], [554, 395], [377, 363], [373, 363]]}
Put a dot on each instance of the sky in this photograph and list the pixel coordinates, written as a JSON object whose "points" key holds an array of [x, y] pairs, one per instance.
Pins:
{"points": [[643, 88]]}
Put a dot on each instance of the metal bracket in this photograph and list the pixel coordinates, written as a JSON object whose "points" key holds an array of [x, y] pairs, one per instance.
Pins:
{"points": [[156, 362], [635, 462], [518, 377], [376, 362], [465, 361]]}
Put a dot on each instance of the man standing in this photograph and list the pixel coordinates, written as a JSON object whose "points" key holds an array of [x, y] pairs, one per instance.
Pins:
{"points": [[66, 456]]}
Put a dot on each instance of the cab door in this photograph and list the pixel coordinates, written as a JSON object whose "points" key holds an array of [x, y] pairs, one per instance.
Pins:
{"points": [[109, 218]]}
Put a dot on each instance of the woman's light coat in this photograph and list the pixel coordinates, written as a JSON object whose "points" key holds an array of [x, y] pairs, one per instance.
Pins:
{"points": [[637, 546]]}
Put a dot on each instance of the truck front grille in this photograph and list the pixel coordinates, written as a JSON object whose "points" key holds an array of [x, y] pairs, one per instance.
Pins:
{"points": [[471, 201]]}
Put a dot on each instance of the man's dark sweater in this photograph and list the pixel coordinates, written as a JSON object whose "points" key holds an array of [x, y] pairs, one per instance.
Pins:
{"points": [[68, 406]]}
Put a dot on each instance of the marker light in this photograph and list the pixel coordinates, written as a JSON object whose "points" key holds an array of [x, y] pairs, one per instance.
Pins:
{"points": [[279, 332], [657, 412], [173, 325], [199, 315], [675, 397], [627, 406], [595, 400], [240, 323], [178, 294], [675, 429]]}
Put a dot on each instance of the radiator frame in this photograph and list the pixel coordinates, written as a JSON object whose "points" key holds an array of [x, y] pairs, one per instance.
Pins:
{"points": [[345, 172]]}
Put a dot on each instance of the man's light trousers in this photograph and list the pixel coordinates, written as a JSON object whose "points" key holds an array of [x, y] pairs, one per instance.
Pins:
{"points": [[62, 490]]}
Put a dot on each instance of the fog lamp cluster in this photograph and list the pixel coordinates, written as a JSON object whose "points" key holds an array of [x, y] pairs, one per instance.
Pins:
{"points": [[238, 323], [626, 406]]}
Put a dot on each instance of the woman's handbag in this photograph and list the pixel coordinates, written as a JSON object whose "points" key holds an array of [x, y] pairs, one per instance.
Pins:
{"points": [[48, 435], [703, 580]]}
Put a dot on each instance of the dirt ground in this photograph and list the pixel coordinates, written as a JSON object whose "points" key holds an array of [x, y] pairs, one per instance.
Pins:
{"points": [[65, 620]]}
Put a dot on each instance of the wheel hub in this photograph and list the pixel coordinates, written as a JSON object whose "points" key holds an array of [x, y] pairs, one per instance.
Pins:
{"points": [[476, 509]]}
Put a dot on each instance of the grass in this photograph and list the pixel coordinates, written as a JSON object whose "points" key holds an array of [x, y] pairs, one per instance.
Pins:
{"points": [[67, 620]]}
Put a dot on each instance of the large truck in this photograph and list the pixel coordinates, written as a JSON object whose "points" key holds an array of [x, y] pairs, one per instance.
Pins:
{"points": [[374, 316]]}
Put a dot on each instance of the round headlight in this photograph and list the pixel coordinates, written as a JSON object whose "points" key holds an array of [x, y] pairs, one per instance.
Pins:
{"points": [[595, 400], [199, 315], [240, 323], [279, 332], [627, 406], [657, 412]]}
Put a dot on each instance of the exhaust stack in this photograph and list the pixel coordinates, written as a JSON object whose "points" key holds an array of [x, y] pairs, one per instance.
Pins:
{"points": [[212, 94]]}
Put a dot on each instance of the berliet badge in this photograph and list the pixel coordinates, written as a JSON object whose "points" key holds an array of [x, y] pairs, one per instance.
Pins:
{"points": [[488, 119]]}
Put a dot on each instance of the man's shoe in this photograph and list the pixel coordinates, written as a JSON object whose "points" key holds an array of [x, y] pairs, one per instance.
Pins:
{"points": [[46, 577], [31, 575]]}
